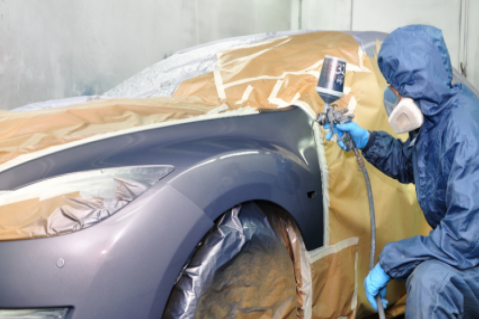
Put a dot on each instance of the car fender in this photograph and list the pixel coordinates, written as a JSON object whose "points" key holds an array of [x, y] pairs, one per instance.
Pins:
{"points": [[273, 174]]}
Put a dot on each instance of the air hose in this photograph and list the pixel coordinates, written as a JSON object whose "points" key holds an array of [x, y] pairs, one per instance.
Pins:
{"points": [[372, 218], [330, 88], [333, 117]]}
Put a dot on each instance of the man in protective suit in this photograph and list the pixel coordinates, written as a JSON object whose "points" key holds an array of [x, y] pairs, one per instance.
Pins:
{"points": [[441, 157]]}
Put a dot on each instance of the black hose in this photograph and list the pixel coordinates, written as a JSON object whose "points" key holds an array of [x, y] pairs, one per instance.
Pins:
{"points": [[372, 217]]}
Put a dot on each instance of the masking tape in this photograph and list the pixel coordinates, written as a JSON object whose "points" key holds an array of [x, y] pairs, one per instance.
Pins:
{"points": [[275, 91], [324, 251], [352, 105], [220, 89], [360, 56], [217, 110], [354, 301], [246, 94], [323, 166]]}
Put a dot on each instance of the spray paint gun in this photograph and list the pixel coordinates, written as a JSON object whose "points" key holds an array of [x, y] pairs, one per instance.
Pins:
{"points": [[332, 116], [330, 88]]}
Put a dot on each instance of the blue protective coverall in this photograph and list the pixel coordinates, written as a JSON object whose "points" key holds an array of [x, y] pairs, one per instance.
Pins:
{"points": [[441, 269]]}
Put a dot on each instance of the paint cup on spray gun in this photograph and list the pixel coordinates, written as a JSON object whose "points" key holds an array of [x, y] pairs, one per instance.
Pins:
{"points": [[331, 80], [330, 88]]}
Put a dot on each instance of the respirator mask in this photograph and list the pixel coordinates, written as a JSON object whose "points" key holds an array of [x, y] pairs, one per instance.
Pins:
{"points": [[404, 114]]}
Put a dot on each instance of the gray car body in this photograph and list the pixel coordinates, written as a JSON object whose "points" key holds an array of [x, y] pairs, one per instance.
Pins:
{"points": [[125, 266]]}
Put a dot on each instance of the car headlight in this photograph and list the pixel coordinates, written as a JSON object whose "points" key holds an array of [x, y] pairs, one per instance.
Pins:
{"points": [[74, 201], [53, 313]]}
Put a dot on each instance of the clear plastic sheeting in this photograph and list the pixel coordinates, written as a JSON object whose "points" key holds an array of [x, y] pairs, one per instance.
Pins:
{"points": [[162, 78], [56, 103], [242, 269], [52, 313], [71, 202]]}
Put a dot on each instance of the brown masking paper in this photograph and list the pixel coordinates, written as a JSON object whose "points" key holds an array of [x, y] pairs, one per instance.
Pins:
{"points": [[334, 284]]}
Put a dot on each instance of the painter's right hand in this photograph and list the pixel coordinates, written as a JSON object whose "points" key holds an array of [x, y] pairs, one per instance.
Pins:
{"points": [[359, 135]]}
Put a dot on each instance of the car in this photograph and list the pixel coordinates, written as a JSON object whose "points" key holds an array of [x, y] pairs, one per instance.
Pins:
{"points": [[218, 208]]}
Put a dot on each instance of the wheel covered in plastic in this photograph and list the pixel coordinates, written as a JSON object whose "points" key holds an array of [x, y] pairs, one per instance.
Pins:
{"points": [[251, 264]]}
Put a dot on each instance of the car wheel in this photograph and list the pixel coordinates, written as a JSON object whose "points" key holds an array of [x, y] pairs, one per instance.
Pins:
{"points": [[248, 265]]}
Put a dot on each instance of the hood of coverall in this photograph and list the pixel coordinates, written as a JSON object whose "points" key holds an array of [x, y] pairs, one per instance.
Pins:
{"points": [[415, 61]]}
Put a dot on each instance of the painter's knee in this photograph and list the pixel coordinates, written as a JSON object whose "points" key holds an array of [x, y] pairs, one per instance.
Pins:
{"points": [[428, 276]]}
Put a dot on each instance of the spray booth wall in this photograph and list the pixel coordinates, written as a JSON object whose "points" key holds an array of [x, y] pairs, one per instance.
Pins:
{"points": [[51, 49], [457, 19]]}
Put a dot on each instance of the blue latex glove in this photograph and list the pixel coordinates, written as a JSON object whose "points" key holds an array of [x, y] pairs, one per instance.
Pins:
{"points": [[374, 284], [359, 135]]}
